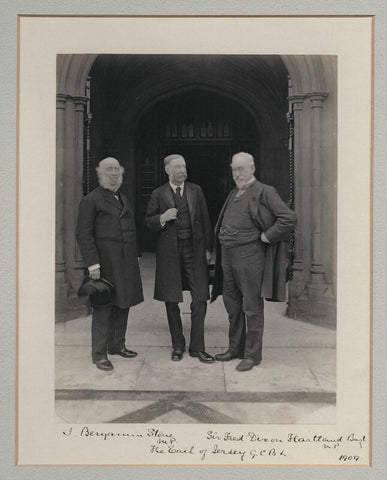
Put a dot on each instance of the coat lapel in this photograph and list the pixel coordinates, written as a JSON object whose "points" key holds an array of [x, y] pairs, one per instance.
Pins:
{"points": [[168, 197], [191, 200], [125, 207], [109, 198], [257, 188], [219, 222]]}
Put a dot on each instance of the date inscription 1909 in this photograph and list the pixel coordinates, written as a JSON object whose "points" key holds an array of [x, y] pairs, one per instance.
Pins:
{"points": [[227, 444]]}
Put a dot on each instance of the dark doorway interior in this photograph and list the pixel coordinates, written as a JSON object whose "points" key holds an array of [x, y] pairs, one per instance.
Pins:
{"points": [[206, 128], [207, 165]]}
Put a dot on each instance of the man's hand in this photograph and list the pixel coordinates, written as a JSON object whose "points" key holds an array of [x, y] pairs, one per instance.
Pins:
{"points": [[168, 215], [210, 256], [95, 274], [264, 238]]}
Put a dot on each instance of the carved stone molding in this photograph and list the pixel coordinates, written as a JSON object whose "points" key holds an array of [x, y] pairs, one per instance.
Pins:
{"points": [[80, 103], [61, 100], [317, 98], [297, 101]]}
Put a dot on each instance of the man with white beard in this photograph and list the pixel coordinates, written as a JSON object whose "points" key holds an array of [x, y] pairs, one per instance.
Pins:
{"points": [[251, 259], [106, 234]]}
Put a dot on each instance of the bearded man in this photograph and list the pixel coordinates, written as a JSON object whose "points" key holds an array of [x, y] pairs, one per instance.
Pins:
{"points": [[177, 213], [251, 261], [106, 234]]}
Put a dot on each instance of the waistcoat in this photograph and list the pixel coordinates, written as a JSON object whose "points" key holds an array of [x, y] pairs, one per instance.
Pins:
{"points": [[237, 227], [183, 223]]}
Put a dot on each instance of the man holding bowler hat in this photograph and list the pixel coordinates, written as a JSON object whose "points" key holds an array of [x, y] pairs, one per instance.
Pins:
{"points": [[106, 234]]}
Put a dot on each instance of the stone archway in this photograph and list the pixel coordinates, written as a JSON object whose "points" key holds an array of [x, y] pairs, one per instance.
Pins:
{"points": [[205, 127], [72, 73], [313, 99]]}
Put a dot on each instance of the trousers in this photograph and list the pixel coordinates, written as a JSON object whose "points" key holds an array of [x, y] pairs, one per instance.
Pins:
{"points": [[242, 280], [198, 308], [108, 329]]}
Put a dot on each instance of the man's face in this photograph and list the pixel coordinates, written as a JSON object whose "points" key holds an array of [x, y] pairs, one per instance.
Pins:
{"points": [[176, 171], [110, 174], [242, 170]]}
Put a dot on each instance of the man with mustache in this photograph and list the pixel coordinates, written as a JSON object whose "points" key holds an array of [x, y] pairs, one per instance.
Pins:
{"points": [[251, 260], [177, 212], [106, 234]]}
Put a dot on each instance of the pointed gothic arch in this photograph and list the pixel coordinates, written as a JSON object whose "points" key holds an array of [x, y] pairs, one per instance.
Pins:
{"points": [[313, 100]]}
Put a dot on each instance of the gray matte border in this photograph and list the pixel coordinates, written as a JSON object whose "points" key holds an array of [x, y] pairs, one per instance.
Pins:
{"points": [[8, 96]]}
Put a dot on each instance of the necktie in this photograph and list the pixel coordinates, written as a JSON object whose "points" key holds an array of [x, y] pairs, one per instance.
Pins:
{"points": [[239, 192], [178, 190], [118, 197]]}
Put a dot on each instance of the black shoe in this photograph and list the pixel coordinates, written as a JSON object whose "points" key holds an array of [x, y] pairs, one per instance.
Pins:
{"points": [[103, 364], [177, 355], [246, 364], [123, 353], [202, 356], [227, 356]]}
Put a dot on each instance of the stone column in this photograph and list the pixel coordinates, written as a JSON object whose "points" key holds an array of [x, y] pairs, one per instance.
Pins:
{"points": [[70, 197], [60, 264], [298, 265], [80, 103], [74, 178], [317, 268], [69, 191]]}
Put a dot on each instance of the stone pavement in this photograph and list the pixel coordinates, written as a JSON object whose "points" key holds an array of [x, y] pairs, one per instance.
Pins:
{"points": [[295, 383]]}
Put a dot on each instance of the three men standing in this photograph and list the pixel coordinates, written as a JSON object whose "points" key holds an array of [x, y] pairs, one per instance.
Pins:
{"points": [[251, 262], [106, 234], [178, 213]]}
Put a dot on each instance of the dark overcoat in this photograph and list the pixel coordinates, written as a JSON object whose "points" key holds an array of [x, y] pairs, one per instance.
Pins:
{"points": [[276, 220], [169, 283], [106, 234]]}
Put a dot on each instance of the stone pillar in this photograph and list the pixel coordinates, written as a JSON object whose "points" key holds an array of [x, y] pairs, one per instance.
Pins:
{"points": [[317, 268], [297, 286], [80, 103], [60, 264], [69, 250], [74, 179], [68, 201], [298, 264]]}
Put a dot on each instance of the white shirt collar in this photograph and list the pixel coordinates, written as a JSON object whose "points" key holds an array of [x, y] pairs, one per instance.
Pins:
{"points": [[175, 186]]}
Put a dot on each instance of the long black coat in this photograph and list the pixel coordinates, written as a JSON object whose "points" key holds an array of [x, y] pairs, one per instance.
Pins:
{"points": [[273, 217], [169, 282], [106, 234]]}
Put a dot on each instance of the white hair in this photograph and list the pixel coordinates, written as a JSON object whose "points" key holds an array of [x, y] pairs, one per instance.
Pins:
{"points": [[173, 156], [245, 155]]}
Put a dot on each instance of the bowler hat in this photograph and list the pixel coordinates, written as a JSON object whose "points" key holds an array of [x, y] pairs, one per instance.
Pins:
{"points": [[97, 292]]}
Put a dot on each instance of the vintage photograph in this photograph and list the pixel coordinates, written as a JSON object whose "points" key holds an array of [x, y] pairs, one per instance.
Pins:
{"points": [[194, 198], [196, 239]]}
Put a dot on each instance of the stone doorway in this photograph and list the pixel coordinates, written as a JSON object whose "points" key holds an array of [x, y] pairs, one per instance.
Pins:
{"points": [[207, 129]]}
